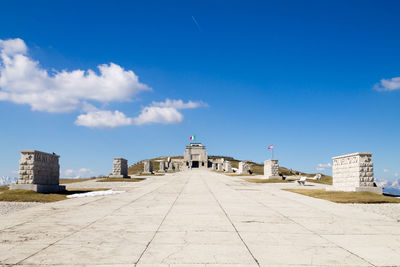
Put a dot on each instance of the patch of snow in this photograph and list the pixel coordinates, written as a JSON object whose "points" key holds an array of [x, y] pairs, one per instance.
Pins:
{"points": [[95, 193]]}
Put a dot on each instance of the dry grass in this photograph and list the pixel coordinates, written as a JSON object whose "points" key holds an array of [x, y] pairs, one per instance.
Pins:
{"points": [[32, 196], [4, 188], [325, 179], [70, 181], [346, 197], [266, 181], [121, 180]]}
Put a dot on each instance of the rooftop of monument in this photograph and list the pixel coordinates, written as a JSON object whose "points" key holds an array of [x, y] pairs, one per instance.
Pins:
{"points": [[37, 151], [353, 154], [195, 145]]}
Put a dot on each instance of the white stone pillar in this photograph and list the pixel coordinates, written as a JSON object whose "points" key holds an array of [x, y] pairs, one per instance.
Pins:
{"points": [[271, 169]]}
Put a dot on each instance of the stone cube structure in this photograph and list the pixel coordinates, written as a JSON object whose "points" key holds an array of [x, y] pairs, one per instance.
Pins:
{"points": [[243, 167], [220, 167], [176, 166], [38, 171], [214, 166], [354, 172], [120, 168], [162, 166], [148, 166], [227, 166], [271, 169]]}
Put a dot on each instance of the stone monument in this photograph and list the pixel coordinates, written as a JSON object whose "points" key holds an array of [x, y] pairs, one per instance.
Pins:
{"points": [[220, 167], [244, 167], [195, 156], [148, 166], [214, 166], [38, 171], [120, 168], [162, 166], [354, 172], [227, 166], [271, 169]]}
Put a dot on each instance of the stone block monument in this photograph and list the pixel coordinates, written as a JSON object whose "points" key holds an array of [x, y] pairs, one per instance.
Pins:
{"points": [[244, 167], [214, 166], [162, 166], [227, 166], [271, 169], [38, 171], [354, 172], [176, 166], [220, 167], [148, 166], [120, 168]]}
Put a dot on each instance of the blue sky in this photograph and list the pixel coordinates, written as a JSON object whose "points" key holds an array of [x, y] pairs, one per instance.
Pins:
{"points": [[315, 78]]}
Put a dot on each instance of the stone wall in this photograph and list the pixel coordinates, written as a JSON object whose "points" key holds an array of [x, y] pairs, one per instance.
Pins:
{"points": [[120, 168], [271, 169], [354, 172], [38, 171]]}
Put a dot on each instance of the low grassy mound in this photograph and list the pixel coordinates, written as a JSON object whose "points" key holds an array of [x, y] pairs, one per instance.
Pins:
{"points": [[266, 181], [346, 197], [32, 196], [121, 180]]}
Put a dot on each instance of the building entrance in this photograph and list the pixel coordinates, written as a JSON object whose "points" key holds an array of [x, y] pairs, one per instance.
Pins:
{"points": [[195, 164]]}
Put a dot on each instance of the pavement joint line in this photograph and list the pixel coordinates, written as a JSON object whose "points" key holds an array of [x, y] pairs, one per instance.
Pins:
{"points": [[158, 229], [301, 225], [233, 225], [77, 231]]}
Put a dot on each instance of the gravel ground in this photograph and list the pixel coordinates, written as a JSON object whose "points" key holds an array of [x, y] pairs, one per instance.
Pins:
{"points": [[388, 210], [8, 207]]}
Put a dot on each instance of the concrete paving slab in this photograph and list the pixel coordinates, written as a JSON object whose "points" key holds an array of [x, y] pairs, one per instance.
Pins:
{"points": [[198, 218]]}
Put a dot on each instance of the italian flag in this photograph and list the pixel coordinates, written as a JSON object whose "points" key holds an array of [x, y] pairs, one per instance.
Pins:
{"points": [[192, 138]]}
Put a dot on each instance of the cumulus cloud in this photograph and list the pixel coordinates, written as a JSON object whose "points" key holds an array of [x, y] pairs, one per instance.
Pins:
{"points": [[323, 167], [24, 81], [388, 84], [103, 119], [82, 172], [158, 112]]}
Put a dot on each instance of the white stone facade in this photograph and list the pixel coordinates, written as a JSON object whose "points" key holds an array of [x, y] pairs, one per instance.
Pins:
{"points": [[354, 172], [38, 171], [227, 166], [162, 166], [271, 169], [148, 166], [120, 168], [195, 156], [244, 167]]}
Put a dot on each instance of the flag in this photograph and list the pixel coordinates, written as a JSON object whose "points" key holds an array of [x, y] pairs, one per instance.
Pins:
{"points": [[192, 138], [271, 147]]}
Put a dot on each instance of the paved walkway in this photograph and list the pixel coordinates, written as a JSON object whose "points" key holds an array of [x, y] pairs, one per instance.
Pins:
{"points": [[198, 218]]}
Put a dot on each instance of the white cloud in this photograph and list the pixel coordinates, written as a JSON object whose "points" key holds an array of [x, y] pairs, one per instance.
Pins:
{"points": [[385, 170], [159, 115], [158, 112], [103, 119], [322, 167], [82, 172], [24, 81], [388, 84]]}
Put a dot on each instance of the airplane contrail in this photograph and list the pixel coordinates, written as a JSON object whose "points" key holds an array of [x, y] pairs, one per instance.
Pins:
{"points": [[195, 22]]}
